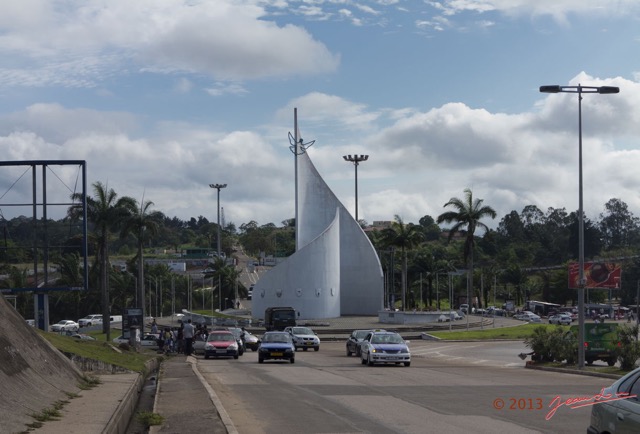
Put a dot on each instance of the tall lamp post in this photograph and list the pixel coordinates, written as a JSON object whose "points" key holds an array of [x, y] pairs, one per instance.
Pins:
{"points": [[582, 282], [356, 159], [218, 187]]}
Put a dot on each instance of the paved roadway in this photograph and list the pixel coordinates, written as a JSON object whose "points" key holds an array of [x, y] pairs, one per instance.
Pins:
{"points": [[450, 387]]}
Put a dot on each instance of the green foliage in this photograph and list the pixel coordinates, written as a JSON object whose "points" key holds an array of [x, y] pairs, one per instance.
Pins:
{"points": [[149, 419], [552, 344], [628, 351]]}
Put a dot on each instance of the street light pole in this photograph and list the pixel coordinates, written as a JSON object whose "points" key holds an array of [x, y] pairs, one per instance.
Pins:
{"points": [[218, 187], [582, 282], [356, 159]]}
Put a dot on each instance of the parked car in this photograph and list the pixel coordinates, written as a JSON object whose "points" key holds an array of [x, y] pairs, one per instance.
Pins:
{"points": [[149, 341], [353, 343], [83, 337], [384, 347], [303, 337], [276, 346], [251, 341], [528, 316], [90, 320], [560, 319], [221, 343], [618, 407], [464, 307], [65, 325]]}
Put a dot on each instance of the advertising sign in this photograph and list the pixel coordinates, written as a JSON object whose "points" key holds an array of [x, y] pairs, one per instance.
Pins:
{"points": [[597, 275]]}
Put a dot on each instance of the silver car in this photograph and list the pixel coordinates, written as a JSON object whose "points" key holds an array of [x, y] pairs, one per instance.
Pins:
{"points": [[616, 408], [303, 337], [384, 347]]}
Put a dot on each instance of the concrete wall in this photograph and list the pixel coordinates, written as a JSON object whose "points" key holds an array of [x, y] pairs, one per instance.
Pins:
{"points": [[308, 281]]}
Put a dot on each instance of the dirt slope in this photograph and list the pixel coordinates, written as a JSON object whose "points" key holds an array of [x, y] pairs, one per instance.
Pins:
{"points": [[33, 374]]}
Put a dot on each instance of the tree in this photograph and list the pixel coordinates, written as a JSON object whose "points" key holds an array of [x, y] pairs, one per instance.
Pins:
{"points": [[466, 220], [142, 225], [618, 226], [406, 237], [106, 212]]}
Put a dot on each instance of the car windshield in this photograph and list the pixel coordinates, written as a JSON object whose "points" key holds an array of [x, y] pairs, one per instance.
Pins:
{"points": [[275, 338], [361, 334], [301, 331], [386, 339], [221, 337]]}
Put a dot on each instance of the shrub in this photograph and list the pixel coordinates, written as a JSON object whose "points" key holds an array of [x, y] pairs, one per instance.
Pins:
{"points": [[628, 350]]}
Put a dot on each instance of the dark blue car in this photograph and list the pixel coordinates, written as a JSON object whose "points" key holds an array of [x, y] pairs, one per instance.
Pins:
{"points": [[276, 346]]}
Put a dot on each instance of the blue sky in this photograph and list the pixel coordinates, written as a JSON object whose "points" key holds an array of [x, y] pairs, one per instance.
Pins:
{"points": [[163, 97]]}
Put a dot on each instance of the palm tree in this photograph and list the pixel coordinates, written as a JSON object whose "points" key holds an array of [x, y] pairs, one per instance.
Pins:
{"points": [[142, 225], [406, 237], [467, 219], [106, 212]]}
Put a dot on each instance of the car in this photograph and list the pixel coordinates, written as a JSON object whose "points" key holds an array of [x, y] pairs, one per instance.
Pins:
{"points": [[528, 316], [618, 406], [303, 337], [384, 347], [251, 341], [353, 343], [66, 325], [560, 319], [208, 271], [221, 343], [83, 337], [198, 343], [90, 320], [464, 307], [276, 346], [149, 341]]}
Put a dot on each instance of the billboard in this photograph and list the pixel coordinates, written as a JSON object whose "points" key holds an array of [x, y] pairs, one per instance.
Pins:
{"points": [[597, 275]]}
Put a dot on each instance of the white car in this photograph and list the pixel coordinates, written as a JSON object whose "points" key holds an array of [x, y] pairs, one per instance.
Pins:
{"points": [[529, 317], [303, 337], [560, 319], [149, 341], [384, 347], [66, 325], [90, 320]]}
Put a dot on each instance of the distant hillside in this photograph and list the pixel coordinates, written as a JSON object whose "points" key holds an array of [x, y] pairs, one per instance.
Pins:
{"points": [[33, 374]]}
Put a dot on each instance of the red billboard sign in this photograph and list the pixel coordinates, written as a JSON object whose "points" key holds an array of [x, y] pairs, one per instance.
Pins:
{"points": [[597, 274]]}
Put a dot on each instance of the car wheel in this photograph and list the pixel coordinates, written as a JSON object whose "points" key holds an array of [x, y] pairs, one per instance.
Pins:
{"points": [[206, 356], [589, 361], [348, 352], [235, 357], [363, 361], [369, 361], [304, 349], [407, 364], [611, 362], [260, 360], [292, 360], [316, 349], [358, 351]]}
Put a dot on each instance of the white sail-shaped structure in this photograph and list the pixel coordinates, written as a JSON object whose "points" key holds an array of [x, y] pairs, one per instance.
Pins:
{"points": [[335, 270]]}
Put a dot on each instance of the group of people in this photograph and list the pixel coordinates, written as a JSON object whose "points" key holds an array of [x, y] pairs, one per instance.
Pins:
{"points": [[175, 340]]}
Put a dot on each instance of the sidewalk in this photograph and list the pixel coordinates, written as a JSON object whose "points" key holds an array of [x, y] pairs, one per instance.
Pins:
{"points": [[186, 402]]}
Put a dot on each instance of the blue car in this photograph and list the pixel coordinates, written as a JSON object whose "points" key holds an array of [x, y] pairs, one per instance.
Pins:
{"points": [[276, 346], [384, 347]]}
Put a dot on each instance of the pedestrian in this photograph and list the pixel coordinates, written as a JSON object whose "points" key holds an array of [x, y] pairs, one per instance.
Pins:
{"points": [[180, 338], [187, 335], [154, 327]]}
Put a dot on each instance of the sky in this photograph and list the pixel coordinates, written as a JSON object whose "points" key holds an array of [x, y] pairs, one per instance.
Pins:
{"points": [[163, 97]]}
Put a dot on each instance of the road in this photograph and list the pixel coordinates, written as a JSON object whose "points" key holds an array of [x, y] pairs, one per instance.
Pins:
{"points": [[453, 388]]}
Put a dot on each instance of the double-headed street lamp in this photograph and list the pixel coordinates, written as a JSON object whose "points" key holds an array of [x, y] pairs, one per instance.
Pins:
{"points": [[218, 187], [582, 282], [356, 159]]}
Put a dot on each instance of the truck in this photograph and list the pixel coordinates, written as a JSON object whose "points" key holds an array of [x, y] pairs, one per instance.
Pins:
{"points": [[600, 342], [278, 318]]}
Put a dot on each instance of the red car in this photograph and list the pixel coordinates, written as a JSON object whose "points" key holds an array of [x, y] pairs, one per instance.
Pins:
{"points": [[221, 343]]}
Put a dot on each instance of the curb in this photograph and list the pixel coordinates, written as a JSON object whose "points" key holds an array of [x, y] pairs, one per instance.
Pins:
{"points": [[530, 365], [224, 416]]}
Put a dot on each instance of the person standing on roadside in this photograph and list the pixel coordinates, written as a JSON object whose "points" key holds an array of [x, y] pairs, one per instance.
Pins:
{"points": [[187, 335]]}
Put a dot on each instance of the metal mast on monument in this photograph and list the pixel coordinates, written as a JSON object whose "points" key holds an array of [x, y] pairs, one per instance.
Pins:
{"points": [[298, 148]]}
